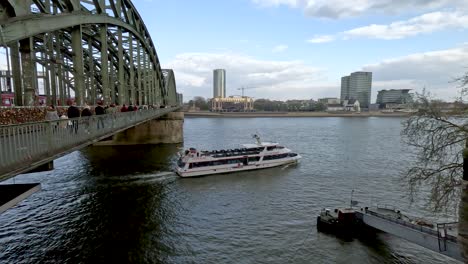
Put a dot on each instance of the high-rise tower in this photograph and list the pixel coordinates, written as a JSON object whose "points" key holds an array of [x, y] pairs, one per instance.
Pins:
{"points": [[219, 83], [357, 86], [344, 88]]}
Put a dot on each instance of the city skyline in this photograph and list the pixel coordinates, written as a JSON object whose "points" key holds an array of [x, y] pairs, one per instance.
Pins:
{"points": [[296, 49]]}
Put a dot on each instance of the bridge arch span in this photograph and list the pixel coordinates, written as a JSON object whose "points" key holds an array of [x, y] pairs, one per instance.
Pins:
{"points": [[91, 51]]}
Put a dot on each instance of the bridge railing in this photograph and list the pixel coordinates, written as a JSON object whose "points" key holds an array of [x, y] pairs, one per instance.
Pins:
{"points": [[26, 144], [411, 225]]}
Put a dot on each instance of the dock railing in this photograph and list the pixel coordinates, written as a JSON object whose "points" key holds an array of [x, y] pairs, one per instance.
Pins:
{"points": [[420, 228], [443, 235], [24, 145]]}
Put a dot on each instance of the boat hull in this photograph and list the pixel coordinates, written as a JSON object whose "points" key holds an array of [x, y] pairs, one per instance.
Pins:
{"points": [[237, 168]]}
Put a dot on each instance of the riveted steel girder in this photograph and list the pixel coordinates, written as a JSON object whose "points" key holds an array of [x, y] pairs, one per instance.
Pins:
{"points": [[87, 49]]}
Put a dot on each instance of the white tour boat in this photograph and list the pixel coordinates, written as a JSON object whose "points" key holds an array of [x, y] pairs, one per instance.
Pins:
{"points": [[261, 155]]}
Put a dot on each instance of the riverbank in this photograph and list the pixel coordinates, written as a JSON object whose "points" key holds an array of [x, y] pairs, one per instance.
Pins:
{"points": [[291, 114]]}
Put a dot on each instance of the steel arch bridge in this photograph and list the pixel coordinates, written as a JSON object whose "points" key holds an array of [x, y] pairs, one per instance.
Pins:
{"points": [[89, 50]]}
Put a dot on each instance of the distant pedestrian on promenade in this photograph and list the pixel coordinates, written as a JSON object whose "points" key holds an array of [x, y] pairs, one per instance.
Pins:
{"points": [[124, 109], [73, 112], [99, 110], [63, 121], [51, 115], [111, 109], [86, 113]]}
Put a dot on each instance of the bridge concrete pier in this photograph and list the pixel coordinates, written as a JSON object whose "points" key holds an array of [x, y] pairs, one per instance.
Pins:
{"points": [[165, 129]]}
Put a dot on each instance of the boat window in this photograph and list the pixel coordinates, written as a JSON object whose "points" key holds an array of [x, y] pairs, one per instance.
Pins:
{"points": [[203, 164], [180, 163], [271, 148], [273, 157], [252, 159], [218, 162], [233, 161]]}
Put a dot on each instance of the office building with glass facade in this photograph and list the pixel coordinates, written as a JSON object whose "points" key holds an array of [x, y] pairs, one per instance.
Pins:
{"points": [[357, 86], [394, 96]]}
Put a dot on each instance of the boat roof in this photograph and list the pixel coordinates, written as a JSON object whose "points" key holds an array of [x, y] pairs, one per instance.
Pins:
{"points": [[263, 144], [346, 210]]}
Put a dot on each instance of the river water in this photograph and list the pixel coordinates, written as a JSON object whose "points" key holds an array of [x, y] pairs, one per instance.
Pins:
{"points": [[122, 204]]}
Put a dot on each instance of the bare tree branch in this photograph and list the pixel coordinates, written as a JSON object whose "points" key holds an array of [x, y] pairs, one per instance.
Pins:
{"points": [[438, 138]]}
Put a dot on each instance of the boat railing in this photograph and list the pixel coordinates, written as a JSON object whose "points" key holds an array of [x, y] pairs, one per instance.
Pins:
{"points": [[229, 153], [386, 207]]}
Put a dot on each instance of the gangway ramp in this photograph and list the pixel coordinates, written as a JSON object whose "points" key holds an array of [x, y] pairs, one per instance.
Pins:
{"points": [[442, 239]]}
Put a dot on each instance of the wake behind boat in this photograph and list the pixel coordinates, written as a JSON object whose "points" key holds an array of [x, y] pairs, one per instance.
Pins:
{"points": [[261, 155]]}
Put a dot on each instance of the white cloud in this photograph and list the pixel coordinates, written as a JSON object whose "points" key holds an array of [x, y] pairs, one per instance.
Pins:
{"points": [[280, 48], [322, 39], [272, 79], [423, 24], [434, 70], [346, 8], [427, 23], [190, 79]]}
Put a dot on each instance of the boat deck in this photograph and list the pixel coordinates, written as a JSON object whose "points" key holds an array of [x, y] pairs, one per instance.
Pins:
{"points": [[231, 152]]}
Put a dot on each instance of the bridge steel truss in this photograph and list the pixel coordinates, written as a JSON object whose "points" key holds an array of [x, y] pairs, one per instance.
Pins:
{"points": [[172, 97], [84, 49]]}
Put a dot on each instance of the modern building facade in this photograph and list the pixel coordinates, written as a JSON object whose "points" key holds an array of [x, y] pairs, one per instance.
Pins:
{"points": [[219, 83], [394, 96], [330, 100], [357, 86], [232, 104], [344, 88]]}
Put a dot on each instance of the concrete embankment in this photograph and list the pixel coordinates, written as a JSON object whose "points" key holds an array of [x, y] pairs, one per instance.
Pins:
{"points": [[292, 114]]}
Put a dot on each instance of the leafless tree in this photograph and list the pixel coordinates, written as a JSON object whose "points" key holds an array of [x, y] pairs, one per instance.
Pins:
{"points": [[438, 134]]}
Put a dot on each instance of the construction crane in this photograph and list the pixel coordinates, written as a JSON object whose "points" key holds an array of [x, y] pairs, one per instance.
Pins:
{"points": [[245, 88]]}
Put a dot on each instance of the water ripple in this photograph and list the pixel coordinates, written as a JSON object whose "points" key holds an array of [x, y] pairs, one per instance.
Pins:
{"points": [[122, 204]]}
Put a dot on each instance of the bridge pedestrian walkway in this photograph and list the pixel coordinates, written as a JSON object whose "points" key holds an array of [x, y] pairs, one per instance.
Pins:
{"points": [[24, 147], [442, 239]]}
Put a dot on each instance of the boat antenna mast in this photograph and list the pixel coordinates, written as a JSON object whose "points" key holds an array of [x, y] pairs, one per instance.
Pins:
{"points": [[258, 139]]}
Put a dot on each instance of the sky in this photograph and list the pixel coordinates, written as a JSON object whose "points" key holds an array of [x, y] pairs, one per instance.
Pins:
{"points": [[300, 49]]}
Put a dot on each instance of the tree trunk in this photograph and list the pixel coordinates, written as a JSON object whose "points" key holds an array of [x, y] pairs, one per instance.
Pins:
{"points": [[463, 222], [463, 209]]}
